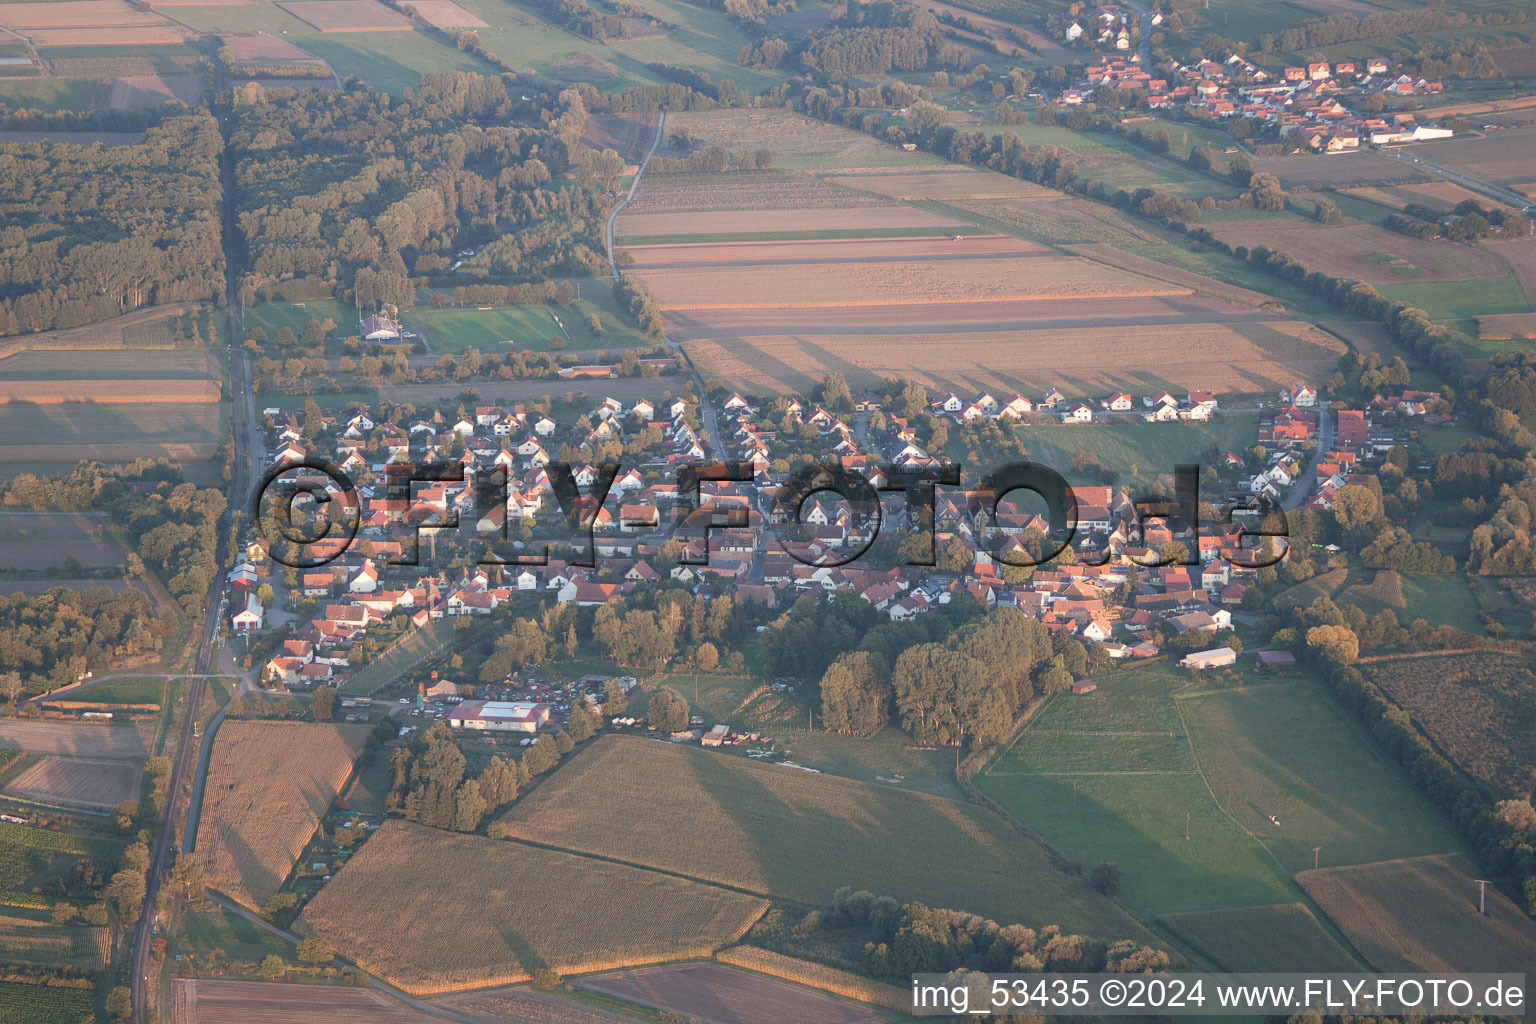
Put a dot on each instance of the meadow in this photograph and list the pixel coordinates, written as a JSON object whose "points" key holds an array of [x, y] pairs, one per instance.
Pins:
{"points": [[25, 850], [269, 784], [513, 328], [1282, 937], [770, 829], [506, 910], [1421, 915], [1127, 772]]}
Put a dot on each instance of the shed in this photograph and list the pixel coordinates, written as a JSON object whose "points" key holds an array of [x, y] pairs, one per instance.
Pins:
{"points": [[1276, 659], [1214, 658], [1084, 686]]}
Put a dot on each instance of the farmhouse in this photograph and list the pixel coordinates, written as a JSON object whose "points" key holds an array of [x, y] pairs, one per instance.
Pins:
{"points": [[499, 716]]}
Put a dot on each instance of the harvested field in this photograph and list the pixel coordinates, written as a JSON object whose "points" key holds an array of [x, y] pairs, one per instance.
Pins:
{"points": [[854, 221], [70, 432], [1440, 194], [797, 835], [1503, 158], [629, 135], [269, 784], [894, 283], [705, 193], [264, 48], [111, 365], [1233, 357], [796, 142], [216, 1001], [528, 1006], [38, 540], [446, 15], [79, 782], [1478, 710], [1421, 915], [1366, 252], [715, 994], [33, 588], [1283, 937], [115, 392], [121, 35], [130, 742], [144, 328], [529, 390], [1507, 327], [1339, 169], [1148, 267], [507, 909], [1061, 220], [945, 183], [925, 249], [144, 92], [75, 14], [348, 16]]}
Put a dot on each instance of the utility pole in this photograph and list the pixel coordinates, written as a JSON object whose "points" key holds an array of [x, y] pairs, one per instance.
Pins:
{"points": [[1482, 896], [1316, 850]]}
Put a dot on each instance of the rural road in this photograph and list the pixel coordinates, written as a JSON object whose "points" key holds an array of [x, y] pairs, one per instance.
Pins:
{"points": [[1302, 488], [1487, 188], [1144, 17], [661, 125]]}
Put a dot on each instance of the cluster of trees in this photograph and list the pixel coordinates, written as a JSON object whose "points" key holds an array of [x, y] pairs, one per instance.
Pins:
{"points": [[649, 630], [1345, 28], [91, 232], [877, 38], [428, 781], [1473, 222], [174, 529], [54, 638], [902, 940], [580, 17], [713, 160], [349, 194]]}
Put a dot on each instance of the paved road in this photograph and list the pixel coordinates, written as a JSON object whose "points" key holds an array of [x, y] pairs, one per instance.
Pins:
{"points": [[1144, 16], [1487, 188], [1301, 490]]}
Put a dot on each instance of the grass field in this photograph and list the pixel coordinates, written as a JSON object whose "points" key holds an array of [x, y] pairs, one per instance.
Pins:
{"points": [[25, 852], [1421, 915], [1477, 708], [518, 36], [512, 328], [1440, 600], [1137, 451], [272, 317], [205, 926], [774, 830], [1111, 775], [269, 784], [1460, 300], [506, 909], [137, 690], [1282, 937]]}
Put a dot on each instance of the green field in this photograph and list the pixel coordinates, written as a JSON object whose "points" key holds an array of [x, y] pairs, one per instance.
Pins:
{"points": [[512, 328], [1099, 777], [1233, 271], [49, 94], [520, 37], [137, 690], [1458, 300], [274, 316], [43, 1004], [204, 927], [27, 853], [797, 835], [1439, 599], [1137, 451], [1283, 937]]}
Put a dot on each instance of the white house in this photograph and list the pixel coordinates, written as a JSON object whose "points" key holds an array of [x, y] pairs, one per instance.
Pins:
{"points": [[249, 617], [380, 328]]}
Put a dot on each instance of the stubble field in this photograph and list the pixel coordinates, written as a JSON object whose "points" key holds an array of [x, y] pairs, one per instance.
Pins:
{"points": [[470, 912], [800, 836], [1366, 252], [115, 741], [348, 16], [79, 782], [446, 15], [269, 784]]}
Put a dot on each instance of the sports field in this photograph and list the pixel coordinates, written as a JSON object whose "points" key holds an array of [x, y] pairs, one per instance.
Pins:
{"points": [[1127, 772], [513, 328], [794, 834], [470, 912]]}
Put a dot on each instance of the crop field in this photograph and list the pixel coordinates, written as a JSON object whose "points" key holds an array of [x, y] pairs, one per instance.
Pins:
{"points": [[221, 1001], [527, 1004], [1283, 937], [117, 392], [80, 782], [696, 193], [1440, 194], [25, 851], [446, 15], [29, 936], [43, 1004], [710, 992], [943, 183], [72, 432], [144, 92], [1368, 253], [769, 829], [1421, 915], [790, 350], [149, 328], [1113, 774], [269, 784], [825, 252], [850, 223], [1507, 327], [798, 143], [1478, 710], [1503, 158], [507, 909], [23, 17], [348, 16], [84, 740], [1339, 170], [117, 35]]}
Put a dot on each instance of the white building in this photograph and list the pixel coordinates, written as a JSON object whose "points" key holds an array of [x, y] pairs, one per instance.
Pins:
{"points": [[499, 716]]}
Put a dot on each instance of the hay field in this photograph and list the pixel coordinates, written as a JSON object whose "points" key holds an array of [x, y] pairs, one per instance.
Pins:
{"points": [[1254, 357], [77, 781], [348, 16], [130, 742], [469, 912], [1367, 252], [945, 183], [446, 15], [798, 835], [853, 221], [893, 283], [1282, 937], [269, 784], [704, 991], [75, 14], [117, 35], [1421, 915]]}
